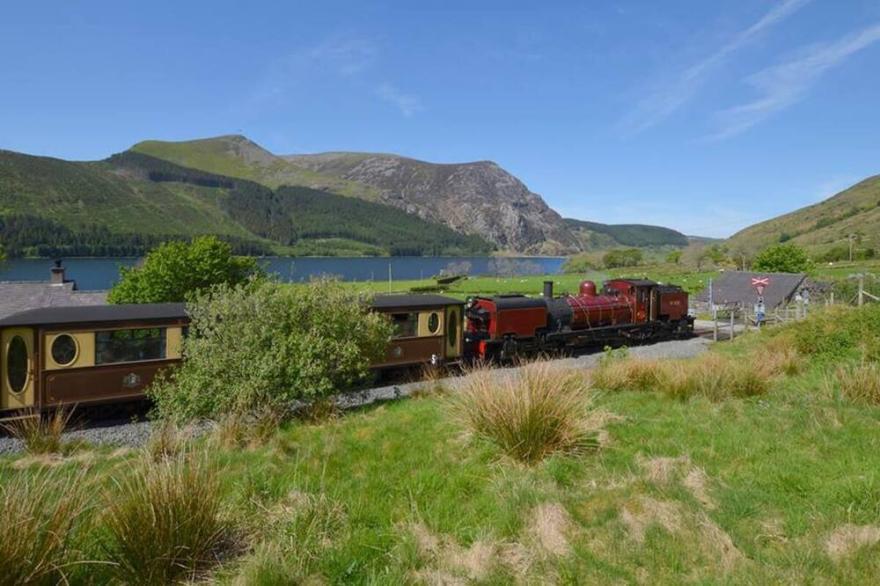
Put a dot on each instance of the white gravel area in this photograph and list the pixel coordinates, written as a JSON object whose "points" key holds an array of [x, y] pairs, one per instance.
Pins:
{"points": [[134, 434]]}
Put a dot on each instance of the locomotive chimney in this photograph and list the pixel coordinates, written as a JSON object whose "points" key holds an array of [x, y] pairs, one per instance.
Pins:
{"points": [[548, 289]]}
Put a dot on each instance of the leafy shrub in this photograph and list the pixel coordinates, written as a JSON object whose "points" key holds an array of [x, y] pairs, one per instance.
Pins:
{"points": [[837, 332], [581, 263], [163, 521], [40, 517], [529, 415], [626, 257], [257, 348], [175, 271], [783, 258]]}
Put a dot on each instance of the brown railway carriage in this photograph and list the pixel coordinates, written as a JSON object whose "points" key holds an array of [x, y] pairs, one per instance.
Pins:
{"points": [[57, 356], [427, 329]]}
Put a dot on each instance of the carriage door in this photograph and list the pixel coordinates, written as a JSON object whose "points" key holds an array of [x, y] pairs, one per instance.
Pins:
{"points": [[453, 332], [18, 368]]}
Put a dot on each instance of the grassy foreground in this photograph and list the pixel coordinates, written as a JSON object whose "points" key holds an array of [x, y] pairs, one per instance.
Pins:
{"points": [[691, 481]]}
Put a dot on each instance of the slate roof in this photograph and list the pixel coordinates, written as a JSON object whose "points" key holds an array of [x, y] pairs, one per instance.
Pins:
{"points": [[96, 313], [735, 287], [16, 297], [413, 301]]}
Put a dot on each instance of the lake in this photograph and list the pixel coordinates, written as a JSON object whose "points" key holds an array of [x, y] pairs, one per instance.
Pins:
{"points": [[101, 273]]}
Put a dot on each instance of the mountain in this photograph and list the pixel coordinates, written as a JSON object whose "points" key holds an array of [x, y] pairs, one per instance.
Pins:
{"points": [[131, 201], [478, 198], [596, 236], [823, 228]]}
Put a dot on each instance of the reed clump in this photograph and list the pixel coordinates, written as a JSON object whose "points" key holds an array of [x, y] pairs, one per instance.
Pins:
{"points": [[163, 522], [41, 516], [859, 383], [531, 414], [42, 434]]}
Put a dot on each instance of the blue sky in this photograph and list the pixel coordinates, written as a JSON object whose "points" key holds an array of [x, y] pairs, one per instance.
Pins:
{"points": [[702, 116]]}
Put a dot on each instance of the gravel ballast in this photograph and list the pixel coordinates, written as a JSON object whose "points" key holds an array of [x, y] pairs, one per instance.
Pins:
{"points": [[135, 434]]}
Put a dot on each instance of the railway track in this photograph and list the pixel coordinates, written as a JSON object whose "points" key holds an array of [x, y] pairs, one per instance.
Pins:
{"points": [[129, 428]]}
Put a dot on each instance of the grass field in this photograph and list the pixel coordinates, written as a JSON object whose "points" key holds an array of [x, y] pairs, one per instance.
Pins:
{"points": [[691, 280], [781, 487]]}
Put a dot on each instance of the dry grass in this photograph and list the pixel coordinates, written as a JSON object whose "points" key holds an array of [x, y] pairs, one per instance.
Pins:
{"points": [[712, 375], [778, 356], [41, 434], [628, 374], [40, 514], [849, 539], [859, 383], [163, 521], [240, 430], [530, 414]]}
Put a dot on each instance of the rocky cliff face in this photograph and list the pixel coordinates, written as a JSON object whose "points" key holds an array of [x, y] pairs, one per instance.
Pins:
{"points": [[473, 198]]}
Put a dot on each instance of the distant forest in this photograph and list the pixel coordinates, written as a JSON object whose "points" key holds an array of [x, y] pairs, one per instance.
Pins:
{"points": [[289, 219]]}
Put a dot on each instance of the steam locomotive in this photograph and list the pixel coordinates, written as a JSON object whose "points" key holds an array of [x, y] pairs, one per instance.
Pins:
{"points": [[57, 356], [626, 310]]}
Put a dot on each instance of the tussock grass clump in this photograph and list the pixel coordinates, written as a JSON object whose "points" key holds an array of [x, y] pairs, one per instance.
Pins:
{"points": [[40, 434], [859, 383], [778, 356], [239, 430], [531, 414], [714, 377], [292, 535], [164, 521], [40, 515], [633, 374]]}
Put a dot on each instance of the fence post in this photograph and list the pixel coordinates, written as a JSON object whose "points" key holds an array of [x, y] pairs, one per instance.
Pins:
{"points": [[861, 290], [732, 317]]}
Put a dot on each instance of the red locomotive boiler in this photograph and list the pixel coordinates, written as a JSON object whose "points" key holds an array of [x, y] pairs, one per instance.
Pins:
{"points": [[632, 310]]}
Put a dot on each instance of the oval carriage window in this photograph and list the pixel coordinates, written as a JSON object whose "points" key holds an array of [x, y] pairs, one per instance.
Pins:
{"points": [[452, 329], [17, 364], [64, 350], [433, 323]]}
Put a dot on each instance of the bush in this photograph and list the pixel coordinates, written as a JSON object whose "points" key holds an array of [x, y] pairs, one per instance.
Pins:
{"points": [[529, 415], [783, 258], [258, 348], [163, 522], [581, 263], [626, 257], [40, 517], [175, 271], [837, 332]]}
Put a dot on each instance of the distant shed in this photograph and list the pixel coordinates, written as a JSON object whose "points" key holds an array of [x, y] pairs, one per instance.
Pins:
{"points": [[735, 288]]}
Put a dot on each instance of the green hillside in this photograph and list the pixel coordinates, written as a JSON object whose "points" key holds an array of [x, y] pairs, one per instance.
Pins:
{"points": [[237, 156], [131, 201], [823, 228], [596, 236]]}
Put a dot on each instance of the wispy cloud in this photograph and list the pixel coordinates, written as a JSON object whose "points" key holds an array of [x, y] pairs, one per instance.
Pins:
{"points": [[670, 95], [408, 104], [786, 83], [339, 59], [344, 55]]}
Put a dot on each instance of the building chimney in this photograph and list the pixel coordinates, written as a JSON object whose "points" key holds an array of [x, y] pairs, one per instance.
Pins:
{"points": [[548, 289], [57, 274]]}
